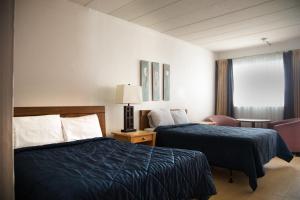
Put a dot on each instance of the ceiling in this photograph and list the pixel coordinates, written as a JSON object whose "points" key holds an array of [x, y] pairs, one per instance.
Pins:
{"points": [[218, 25]]}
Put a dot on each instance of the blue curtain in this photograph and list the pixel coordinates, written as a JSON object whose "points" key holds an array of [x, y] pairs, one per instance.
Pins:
{"points": [[289, 88], [230, 109]]}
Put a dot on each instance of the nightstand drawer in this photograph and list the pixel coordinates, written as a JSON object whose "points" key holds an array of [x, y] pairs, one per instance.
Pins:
{"points": [[142, 139]]}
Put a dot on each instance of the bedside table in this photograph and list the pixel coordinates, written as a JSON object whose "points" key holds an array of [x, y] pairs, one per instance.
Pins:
{"points": [[143, 137]]}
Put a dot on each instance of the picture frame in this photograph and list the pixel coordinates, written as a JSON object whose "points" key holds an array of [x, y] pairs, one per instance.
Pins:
{"points": [[155, 81], [145, 79], [166, 82]]}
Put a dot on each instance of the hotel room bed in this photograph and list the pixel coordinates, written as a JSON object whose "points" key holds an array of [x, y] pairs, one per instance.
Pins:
{"points": [[105, 168], [235, 148]]}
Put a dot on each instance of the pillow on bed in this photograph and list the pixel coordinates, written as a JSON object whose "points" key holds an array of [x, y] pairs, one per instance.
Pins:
{"points": [[79, 128], [37, 130], [151, 124], [179, 116], [160, 117]]}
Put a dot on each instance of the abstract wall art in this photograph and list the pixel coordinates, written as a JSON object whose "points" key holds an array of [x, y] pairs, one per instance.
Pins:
{"points": [[166, 82], [145, 79], [155, 82]]}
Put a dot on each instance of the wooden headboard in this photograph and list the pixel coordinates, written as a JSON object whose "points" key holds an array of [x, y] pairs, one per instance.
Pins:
{"points": [[64, 111], [144, 122]]}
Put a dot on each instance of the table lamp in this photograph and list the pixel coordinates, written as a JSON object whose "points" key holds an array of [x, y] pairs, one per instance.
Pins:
{"points": [[128, 94]]}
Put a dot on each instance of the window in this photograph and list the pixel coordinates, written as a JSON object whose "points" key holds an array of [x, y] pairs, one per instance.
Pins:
{"points": [[259, 85]]}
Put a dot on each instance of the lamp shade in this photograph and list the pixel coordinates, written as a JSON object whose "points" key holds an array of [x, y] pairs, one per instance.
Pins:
{"points": [[127, 94]]}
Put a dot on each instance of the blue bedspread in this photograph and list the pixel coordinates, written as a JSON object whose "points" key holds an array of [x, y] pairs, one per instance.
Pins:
{"points": [[244, 149], [105, 168]]}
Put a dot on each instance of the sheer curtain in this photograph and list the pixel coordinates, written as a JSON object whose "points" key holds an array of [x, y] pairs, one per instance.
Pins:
{"points": [[259, 87]]}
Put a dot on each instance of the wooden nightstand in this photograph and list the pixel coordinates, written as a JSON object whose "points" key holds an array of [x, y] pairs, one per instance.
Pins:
{"points": [[143, 137]]}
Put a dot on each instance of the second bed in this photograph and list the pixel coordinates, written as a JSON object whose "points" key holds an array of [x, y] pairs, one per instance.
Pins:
{"points": [[234, 148]]}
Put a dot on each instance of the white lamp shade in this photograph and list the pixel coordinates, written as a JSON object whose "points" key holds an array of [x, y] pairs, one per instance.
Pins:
{"points": [[126, 94]]}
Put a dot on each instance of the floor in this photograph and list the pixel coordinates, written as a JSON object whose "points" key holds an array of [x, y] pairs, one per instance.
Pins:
{"points": [[281, 182]]}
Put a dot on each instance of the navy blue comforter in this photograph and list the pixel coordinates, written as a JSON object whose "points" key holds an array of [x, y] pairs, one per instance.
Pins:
{"points": [[244, 149], [105, 168]]}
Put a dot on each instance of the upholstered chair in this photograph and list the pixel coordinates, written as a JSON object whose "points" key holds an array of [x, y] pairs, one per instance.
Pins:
{"points": [[222, 120], [289, 130]]}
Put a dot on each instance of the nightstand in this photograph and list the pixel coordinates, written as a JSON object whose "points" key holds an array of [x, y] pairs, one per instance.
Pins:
{"points": [[142, 137]]}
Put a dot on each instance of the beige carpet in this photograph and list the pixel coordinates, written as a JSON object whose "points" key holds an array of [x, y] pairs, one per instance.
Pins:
{"points": [[281, 182]]}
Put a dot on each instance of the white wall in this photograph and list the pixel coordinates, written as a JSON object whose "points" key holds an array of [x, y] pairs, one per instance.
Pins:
{"points": [[276, 47], [68, 55]]}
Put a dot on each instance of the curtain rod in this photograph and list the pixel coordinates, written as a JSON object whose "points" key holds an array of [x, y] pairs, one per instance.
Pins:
{"points": [[258, 55]]}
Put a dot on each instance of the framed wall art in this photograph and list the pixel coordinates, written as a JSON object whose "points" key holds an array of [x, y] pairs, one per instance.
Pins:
{"points": [[166, 82], [155, 82], [145, 79]]}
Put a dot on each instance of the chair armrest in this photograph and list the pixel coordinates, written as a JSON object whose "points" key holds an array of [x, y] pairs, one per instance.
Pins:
{"points": [[291, 127], [290, 133], [275, 123]]}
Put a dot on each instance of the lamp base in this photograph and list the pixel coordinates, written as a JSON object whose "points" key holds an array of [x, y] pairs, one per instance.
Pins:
{"points": [[128, 119], [128, 130]]}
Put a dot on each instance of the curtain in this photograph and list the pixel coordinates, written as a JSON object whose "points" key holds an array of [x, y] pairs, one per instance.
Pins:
{"points": [[259, 86], [296, 82], [230, 109], [273, 113], [288, 87], [224, 87]]}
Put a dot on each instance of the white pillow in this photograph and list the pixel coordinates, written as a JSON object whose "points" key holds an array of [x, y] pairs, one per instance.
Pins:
{"points": [[151, 124], [179, 116], [160, 117], [37, 130], [79, 128]]}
